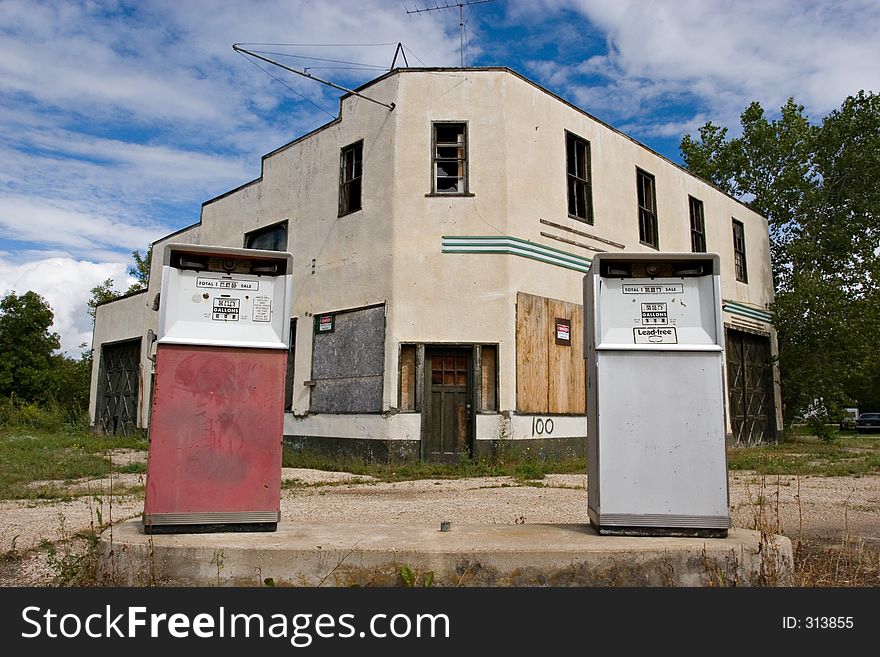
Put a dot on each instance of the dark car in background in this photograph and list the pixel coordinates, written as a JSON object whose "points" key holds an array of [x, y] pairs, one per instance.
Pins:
{"points": [[868, 422]]}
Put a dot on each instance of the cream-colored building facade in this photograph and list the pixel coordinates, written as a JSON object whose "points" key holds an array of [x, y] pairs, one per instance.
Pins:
{"points": [[441, 239]]}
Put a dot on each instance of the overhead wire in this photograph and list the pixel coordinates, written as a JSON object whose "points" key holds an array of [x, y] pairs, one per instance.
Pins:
{"points": [[318, 45], [288, 87], [321, 59]]}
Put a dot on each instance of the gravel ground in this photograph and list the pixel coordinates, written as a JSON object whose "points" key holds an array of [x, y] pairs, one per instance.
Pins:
{"points": [[812, 508]]}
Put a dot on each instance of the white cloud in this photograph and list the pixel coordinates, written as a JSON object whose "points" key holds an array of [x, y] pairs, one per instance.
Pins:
{"points": [[725, 54], [121, 118], [78, 229], [66, 285]]}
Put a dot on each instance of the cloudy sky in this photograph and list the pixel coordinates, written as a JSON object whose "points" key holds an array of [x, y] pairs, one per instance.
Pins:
{"points": [[120, 118]]}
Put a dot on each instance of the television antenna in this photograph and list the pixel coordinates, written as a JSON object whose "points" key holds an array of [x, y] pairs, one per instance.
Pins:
{"points": [[452, 5], [305, 73]]}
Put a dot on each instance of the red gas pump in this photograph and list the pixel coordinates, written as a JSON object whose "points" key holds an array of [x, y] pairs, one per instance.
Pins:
{"points": [[216, 428]]}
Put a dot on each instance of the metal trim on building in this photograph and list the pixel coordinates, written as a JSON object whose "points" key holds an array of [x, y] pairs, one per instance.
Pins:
{"points": [[659, 520], [211, 518]]}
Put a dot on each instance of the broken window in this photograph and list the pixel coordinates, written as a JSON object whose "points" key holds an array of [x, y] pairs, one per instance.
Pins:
{"points": [[577, 155], [739, 251], [698, 225], [271, 238], [450, 158], [647, 209], [351, 170]]}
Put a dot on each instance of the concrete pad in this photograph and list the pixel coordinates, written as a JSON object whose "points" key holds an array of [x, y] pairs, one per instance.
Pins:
{"points": [[347, 554]]}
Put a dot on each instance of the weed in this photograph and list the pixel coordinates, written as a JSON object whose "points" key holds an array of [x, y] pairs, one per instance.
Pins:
{"points": [[12, 553], [134, 467], [412, 579], [529, 471], [521, 468], [847, 564], [74, 558]]}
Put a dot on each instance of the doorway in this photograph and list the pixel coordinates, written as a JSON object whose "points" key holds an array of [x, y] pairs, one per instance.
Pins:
{"points": [[118, 388], [448, 426], [750, 383]]}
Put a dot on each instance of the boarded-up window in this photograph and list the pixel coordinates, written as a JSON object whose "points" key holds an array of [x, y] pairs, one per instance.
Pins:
{"points": [[348, 363], [488, 378], [549, 376], [407, 377]]}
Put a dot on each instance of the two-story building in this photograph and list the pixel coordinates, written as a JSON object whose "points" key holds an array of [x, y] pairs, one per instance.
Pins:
{"points": [[437, 242]]}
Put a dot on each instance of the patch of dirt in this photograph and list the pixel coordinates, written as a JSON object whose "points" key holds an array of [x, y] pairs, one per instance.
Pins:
{"points": [[809, 508]]}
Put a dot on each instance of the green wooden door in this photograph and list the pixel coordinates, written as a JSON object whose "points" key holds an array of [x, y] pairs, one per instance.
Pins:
{"points": [[448, 431]]}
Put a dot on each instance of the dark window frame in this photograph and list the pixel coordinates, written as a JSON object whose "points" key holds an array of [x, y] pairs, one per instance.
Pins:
{"points": [[351, 173], [647, 204], [462, 157], [740, 264], [578, 178], [258, 232], [696, 209]]}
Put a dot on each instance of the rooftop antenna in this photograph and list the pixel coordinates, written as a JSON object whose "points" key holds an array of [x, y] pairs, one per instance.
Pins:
{"points": [[452, 5], [237, 48], [399, 50]]}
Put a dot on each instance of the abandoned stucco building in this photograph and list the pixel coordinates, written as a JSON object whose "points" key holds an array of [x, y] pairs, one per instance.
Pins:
{"points": [[436, 244]]}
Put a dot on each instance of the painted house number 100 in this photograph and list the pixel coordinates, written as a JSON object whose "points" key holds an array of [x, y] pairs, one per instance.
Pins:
{"points": [[541, 426]]}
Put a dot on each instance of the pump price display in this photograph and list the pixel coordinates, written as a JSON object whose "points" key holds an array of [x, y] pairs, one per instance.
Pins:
{"points": [[225, 309], [227, 284]]}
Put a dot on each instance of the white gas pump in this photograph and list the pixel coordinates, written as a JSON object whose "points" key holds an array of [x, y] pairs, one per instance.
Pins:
{"points": [[654, 337]]}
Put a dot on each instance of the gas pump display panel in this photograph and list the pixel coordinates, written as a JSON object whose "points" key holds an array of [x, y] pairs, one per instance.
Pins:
{"points": [[236, 299]]}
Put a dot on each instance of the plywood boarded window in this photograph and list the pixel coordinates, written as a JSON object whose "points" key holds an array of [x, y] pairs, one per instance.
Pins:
{"points": [[488, 378], [348, 363], [407, 377], [549, 376]]}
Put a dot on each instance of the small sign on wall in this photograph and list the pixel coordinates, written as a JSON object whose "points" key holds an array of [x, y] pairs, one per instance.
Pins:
{"points": [[325, 323], [563, 331]]}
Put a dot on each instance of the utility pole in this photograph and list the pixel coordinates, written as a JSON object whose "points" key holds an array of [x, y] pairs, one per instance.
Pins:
{"points": [[453, 5]]}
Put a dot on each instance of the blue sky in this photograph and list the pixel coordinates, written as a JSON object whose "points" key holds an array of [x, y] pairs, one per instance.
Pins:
{"points": [[120, 118]]}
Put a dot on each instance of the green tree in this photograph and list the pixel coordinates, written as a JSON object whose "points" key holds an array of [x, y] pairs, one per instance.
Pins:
{"points": [[140, 270], [816, 184], [26, 347], [101, 293], [71, 380]]}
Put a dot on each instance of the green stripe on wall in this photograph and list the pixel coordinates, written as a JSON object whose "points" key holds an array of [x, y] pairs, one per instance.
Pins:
{"points": [[735, 308], [507, 245]]}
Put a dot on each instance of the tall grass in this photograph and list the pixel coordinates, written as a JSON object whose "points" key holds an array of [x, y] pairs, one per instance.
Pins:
{"points": [[48, 417], [802, 454], [40, 443]]}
